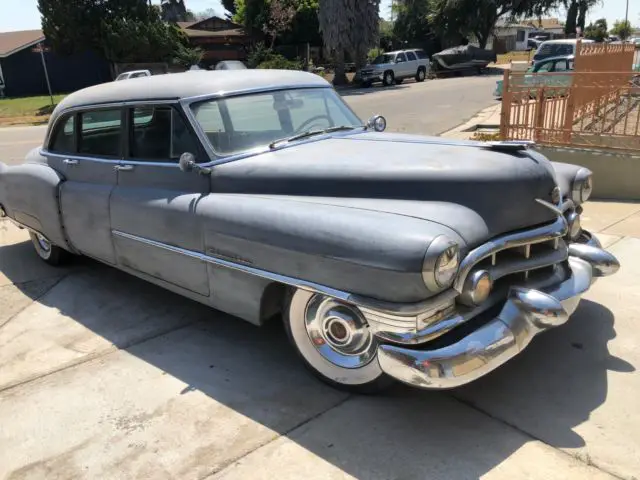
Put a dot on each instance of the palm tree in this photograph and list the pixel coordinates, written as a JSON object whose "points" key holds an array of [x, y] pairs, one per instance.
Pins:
{"points": [[348, 26]]}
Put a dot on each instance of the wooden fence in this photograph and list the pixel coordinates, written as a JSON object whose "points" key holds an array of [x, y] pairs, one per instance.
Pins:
{"points": [[598, 104]]}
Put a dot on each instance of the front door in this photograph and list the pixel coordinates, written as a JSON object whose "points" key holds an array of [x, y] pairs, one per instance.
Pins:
{"points": [[84, 148], [154, 207]]}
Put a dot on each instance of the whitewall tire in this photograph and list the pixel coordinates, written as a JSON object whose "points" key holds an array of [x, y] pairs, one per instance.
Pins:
{"points": [[334, 341], [47, 251]]}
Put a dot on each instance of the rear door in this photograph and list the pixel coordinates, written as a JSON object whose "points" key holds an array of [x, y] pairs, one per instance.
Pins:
{"points": [[154, 207], [84, 148], [412, 63]]}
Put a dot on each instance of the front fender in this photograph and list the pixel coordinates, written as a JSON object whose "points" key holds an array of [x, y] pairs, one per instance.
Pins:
{"points": [[565, 175], [367, 252]]}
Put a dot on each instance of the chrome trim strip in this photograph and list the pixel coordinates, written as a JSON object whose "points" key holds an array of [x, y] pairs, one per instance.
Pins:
{"points": [[399, 309], [47, 153], [544, 233]]}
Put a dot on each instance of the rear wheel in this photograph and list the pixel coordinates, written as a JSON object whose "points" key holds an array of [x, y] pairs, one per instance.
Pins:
{"points": [[50, 253], [421, 74], [388, 78], [334, 341]]}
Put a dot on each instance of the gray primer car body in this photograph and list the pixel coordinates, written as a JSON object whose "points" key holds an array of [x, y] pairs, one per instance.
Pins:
{"points": [[350, 211]]}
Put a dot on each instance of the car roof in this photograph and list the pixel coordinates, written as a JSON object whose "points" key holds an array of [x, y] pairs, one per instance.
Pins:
{"points": [[566, 41], [189, 84]]}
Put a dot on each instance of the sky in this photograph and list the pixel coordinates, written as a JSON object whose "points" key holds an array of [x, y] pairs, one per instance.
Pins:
{"points": [[24, 15]]}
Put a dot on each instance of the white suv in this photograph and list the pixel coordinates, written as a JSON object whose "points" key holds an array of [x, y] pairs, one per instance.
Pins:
{"points": [[394, 67]]}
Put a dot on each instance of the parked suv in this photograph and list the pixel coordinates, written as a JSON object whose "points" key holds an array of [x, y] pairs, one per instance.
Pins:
{"points": [[394, 67]]}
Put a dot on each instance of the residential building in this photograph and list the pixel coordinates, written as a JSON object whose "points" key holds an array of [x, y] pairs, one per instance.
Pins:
{"points": [[509, 37], [22, 72]]}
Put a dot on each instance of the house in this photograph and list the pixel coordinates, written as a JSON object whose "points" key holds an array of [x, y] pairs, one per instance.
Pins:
{"points": [[220, 39], [508, 37], [551, 26], [22, 72]]}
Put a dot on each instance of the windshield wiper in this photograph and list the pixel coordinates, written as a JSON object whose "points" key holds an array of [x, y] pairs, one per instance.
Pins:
{"points": [[310, 133]]}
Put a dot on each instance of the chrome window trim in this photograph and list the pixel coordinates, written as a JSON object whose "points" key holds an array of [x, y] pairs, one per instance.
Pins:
{"points": [[47, 153], [390, 308]]}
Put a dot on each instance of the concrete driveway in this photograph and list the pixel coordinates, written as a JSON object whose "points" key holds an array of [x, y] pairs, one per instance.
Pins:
{"points": [[104, 376]]}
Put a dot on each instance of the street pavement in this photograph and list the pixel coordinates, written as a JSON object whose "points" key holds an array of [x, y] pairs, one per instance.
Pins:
{"points": [[429, 108], [105, 376]]}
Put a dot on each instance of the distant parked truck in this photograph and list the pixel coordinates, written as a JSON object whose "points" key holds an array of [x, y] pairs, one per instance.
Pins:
{"points": [[394, 67], [133, 74]]}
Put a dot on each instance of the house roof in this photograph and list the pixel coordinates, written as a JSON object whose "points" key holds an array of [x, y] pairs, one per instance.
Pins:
{"points": [[234, 32], [12, 42], [546, 23]]}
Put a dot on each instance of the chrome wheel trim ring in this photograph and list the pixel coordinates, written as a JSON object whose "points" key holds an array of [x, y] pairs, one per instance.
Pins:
{"points": [[43, 246], [421, 74], [388, 78], [315, 323]]}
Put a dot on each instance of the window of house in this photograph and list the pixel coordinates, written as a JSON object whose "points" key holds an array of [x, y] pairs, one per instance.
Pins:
{"points": [[401, 58], [159, 134], [64, 137], [100, 132], [411, 56], [520, 36]]}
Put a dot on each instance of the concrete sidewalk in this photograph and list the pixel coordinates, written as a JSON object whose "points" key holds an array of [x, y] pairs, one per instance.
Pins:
{"points": [[105, 376]]}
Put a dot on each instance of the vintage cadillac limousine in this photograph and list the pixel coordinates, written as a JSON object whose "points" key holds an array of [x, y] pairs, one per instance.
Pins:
{"points": [[262, 194]]}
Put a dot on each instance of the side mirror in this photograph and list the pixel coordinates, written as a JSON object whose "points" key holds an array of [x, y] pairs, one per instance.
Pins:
{"points": [[378, 123], [187, 163]]}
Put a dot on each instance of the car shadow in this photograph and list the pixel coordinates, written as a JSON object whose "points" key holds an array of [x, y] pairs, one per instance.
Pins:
{"points": [[556, 383], [356, 91]]}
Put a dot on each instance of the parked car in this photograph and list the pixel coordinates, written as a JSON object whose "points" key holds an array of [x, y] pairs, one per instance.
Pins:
{"points": [[556, 48], [230, 65], [395, 67], [534, 77], [260, 192], [133, 74]]}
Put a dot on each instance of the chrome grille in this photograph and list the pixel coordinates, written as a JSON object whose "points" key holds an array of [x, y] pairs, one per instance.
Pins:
{"points": [[517, 253]]}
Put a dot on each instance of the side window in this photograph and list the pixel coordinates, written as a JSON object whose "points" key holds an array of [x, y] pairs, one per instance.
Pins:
{"points": [[545, 67], [100, 132], [411, 56], [64, 136], [401, 58], [561, 66], [421, 54], [159, 134]]}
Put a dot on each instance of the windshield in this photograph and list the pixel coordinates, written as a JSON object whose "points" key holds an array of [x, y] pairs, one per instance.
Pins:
{"points": [[238, 124], [385, 58]]}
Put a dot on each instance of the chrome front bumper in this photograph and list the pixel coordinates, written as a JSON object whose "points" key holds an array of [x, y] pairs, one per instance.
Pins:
{"points": [[526, 313]]}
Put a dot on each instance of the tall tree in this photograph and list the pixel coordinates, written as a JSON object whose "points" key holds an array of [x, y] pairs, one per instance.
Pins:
{"points": [[229, 6], [174, 11], [279, 18], [597, 31], [118, 30], [413, 26], [348, 26]]}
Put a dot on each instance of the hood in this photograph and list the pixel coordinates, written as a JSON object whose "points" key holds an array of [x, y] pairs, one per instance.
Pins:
{"points": [[477, 192]]}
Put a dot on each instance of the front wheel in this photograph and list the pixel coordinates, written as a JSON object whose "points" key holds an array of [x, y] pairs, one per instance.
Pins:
{"points": [[50, 253], [388, 78], [334, 341]]}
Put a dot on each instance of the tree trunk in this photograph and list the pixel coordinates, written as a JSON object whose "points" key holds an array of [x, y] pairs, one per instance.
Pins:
{"points": [[483, 39], [339, 76], [582, 14], [572, 16]]}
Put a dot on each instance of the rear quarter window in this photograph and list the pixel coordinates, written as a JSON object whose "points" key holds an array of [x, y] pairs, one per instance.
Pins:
{"points": [[421, 54], [63, 140]]}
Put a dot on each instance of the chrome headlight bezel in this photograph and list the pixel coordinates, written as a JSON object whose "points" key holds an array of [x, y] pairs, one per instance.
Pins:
{"points": [[441, 263], [582, 186]]}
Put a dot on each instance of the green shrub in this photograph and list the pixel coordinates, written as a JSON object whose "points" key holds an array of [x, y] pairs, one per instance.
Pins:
{"points": [[373, 53], [278, 62]]}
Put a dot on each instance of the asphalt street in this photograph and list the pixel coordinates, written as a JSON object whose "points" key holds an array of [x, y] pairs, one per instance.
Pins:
{"points": [[428, 108]]}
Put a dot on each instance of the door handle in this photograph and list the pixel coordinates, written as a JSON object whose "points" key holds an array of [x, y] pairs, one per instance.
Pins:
{"points": [[123, 168], [68, 161]]}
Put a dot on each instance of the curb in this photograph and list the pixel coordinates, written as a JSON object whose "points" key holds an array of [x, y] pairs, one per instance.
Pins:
{"points": [[484, 118]]}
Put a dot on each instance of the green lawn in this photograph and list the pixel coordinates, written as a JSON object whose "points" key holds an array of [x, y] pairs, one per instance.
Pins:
{"points": [[27, 107]]}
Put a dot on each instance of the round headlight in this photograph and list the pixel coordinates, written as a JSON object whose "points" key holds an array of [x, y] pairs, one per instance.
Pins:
{"points": [[582, 186], [447, 266], [441, 263]]}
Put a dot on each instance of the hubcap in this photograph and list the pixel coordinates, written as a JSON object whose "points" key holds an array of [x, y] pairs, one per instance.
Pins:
{"points": [[421, 74], [44, 244], [388, 78], [339, 333]]}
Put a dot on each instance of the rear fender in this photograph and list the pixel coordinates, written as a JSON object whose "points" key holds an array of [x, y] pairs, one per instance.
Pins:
{"points": [[29, 194]]}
